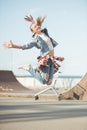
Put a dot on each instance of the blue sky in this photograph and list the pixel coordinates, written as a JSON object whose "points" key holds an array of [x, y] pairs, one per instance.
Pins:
{"points": [[66, 21]]}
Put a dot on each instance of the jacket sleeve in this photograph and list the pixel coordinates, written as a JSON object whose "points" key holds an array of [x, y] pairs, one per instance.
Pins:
{"points": [[30, 45]]}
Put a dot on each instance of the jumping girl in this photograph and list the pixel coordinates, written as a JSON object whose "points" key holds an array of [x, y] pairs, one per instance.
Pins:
{"points": [[47, 64]]}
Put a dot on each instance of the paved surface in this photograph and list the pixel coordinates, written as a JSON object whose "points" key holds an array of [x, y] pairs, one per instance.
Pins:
{"points": [[26, 114]]}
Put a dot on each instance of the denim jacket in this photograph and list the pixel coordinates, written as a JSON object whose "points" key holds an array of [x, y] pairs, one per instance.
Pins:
{"points": [[39, 43]]}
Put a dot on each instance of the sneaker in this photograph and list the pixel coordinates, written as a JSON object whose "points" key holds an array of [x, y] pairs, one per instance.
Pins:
{"points": [[25, 67]]}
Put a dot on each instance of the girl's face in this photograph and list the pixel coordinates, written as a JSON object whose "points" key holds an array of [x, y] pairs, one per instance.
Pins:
{"points": [[35, 28]]}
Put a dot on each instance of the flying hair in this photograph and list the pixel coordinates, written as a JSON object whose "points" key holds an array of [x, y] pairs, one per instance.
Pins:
{"points": [[39, 19]]}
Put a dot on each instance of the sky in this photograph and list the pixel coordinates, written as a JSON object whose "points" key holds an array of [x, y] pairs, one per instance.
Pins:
{"points": [[66, 21]]}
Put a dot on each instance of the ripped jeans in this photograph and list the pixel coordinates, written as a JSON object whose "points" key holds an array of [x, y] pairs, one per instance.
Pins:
{"points": [[46, 70]]}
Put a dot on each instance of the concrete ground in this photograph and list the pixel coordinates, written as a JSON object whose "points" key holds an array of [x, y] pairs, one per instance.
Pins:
{"points": [[28, 114]]}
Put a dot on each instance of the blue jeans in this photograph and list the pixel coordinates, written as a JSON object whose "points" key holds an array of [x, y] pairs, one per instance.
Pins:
{"points": [[41, 76]]}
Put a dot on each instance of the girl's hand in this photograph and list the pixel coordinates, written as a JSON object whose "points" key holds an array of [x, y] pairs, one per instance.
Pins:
{"points": [[60, 59], [8, 45]]}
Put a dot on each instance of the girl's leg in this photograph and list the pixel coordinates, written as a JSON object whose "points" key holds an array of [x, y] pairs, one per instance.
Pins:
{"points": [[48, 71], [34, 72], [45, 76], [51, 71]]}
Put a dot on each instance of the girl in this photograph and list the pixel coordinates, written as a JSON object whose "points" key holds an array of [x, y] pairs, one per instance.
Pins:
{"points": [[41, 40]]}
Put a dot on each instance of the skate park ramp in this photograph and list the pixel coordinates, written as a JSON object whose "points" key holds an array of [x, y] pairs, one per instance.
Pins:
{"points": [[9, 83], [78, 92]]}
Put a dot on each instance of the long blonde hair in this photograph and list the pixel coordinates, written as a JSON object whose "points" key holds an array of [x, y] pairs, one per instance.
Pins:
{"points": [[40, 20]]}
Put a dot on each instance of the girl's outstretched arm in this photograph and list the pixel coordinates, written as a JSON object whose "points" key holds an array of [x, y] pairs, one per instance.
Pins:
{"points": [[12, 45]]}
